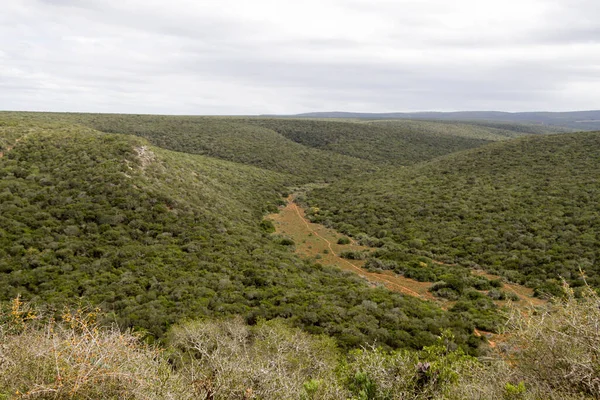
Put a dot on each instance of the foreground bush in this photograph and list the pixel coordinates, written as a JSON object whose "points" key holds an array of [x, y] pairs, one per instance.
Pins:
{"points": [[558, 350], [550, 354], [231, 360], [77, 359]]}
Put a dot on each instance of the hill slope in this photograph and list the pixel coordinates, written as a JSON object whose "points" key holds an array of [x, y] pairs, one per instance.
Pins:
{"points": [[381, 144], [154, 236], [305, 149], [527, 209], [231, 139]]}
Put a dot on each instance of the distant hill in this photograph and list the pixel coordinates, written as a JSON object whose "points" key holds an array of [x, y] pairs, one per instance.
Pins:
{"points": [[305, 149], [525, 208], [230, 138], [380, 144], [576, 120]]}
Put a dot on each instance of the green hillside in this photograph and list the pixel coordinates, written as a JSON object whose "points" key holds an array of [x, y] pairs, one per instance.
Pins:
{"points": [[380, 143], [231, 139], [154, 236], [527, 209], [488, 131], [307, 150]]}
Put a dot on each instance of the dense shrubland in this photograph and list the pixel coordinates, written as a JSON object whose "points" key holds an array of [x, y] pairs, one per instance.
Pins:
{"points": [[550, 354], [232, 139], [154, 236], [305, 149], [197, 298], [486, 130], [381, 144], [526, 209]]}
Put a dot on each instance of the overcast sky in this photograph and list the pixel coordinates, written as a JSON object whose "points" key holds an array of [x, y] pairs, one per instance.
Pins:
{"points": [[280, 56]]}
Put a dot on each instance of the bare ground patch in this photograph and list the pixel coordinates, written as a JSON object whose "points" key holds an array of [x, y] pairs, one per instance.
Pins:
{"points": [[318, 242], [145, 155]]}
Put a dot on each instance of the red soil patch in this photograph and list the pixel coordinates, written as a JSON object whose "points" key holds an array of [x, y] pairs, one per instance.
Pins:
{"points": [[320, 243], [314, 240]]}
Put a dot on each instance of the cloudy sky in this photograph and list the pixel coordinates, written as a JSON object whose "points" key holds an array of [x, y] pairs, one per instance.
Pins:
{"points": [[280, 56]]}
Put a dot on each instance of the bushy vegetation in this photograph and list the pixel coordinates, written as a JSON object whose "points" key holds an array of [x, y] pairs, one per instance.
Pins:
{"points": [[551, 354], [307, 150], [446, 129], [75, 358], [154, 236], [197, 297], [381, 144], [232, 139], [526, 209], [472, 296]]}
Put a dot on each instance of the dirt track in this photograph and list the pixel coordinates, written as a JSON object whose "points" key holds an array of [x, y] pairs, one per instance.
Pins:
{"points": [[313, 240], [316, 241]]}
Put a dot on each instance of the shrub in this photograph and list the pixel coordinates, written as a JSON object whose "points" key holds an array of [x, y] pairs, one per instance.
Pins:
{"points": [[268, 361], [76, 358], [267, 226], [558, 348], [496, 294], [286, 242], [353, 255], [343, 240]]}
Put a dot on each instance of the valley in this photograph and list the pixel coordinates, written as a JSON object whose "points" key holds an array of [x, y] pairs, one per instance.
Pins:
{"points": [[321, 244], [396, 242]]}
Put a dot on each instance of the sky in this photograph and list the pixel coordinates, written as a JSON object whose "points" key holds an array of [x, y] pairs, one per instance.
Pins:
{"points": [[231, 57]]}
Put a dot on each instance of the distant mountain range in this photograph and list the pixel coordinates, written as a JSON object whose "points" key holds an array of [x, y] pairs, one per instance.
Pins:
{"points": [[578, 120]]}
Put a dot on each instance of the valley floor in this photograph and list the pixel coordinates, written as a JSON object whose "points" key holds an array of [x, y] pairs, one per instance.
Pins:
{"points": [[318, 242]]}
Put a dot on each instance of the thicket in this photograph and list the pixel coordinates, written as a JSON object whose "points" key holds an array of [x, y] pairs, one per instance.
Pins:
{"points": [[525, 209], [305, 149], [231, 139], [154, 236], [381, 144], [470, 130]]}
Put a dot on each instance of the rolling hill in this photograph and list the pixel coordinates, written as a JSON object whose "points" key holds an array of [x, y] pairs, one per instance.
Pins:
{"points": [[380, 144], [526, 209], [305, 150], [572, 120], [154, 236], [159, 222]]}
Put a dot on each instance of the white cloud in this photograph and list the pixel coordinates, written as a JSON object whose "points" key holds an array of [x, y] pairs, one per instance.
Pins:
{"points": [[266, 56]]}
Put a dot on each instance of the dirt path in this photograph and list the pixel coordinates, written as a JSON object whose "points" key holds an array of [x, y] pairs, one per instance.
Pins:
{"points": [[321, 243], [524, 293], [370, 275], [296, 208], [314, 240]]}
